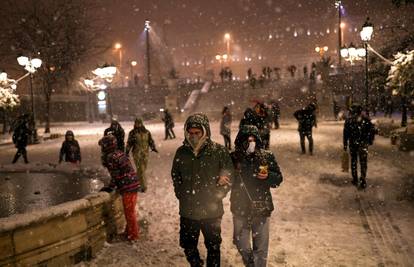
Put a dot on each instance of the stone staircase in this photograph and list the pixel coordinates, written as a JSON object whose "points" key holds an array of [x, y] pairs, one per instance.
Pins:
{"points": [[239, 95]]}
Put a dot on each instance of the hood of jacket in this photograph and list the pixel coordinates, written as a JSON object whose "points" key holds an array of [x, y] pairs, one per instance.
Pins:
{"points": [[244, 133], [199, 121], [69, 133]]}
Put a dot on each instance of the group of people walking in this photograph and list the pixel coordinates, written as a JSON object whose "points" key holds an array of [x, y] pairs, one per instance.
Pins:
{"points": [[204, 172]]}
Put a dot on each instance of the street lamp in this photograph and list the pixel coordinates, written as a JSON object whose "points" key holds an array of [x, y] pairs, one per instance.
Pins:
{"points": [[222, 58], [147, 29], [227, 37], [321, 50], [366, 34], [31, 65], [338, 5], [118, 47], [132, 64], [352, 54], [107, 73]]}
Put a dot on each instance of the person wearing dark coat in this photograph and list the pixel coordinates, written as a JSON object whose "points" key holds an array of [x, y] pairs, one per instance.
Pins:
{"points": [[251, 200], [168, 124], [275, 110], [359, 133], [116, 130], [225, 127], [260, 118], [306, 121], [20, 139], [70, 150], [201, 173]]}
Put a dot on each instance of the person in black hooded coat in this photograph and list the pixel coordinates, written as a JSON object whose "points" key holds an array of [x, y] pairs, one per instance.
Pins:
{"points": [[359, 133], [70, 150], [256, 172], [116, 130], [258, 116], [306, 121], [20, 138], [201, 173]]}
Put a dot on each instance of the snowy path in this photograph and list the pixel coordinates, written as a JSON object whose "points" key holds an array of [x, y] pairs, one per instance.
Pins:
{"points": [[321, 220]]}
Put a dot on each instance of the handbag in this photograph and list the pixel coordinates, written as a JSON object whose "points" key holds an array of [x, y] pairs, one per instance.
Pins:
{"points": [[345, 161], [257, 207]]}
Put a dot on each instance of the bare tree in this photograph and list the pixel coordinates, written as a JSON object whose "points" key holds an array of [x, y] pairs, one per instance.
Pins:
{"points": [[63, 33]]}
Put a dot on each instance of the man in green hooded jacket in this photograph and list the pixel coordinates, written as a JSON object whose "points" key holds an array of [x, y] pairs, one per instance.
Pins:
{"points": [[140, 142], [201, 174]]}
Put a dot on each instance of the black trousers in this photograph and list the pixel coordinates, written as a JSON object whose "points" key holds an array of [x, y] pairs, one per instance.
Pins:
{"points": [[189, 234], [276, 122], [227, 141], [361, 154], [21, 151], [302, 136], [169, 133]]}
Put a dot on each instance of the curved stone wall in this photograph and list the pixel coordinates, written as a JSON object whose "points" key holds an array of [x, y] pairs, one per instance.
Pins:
{"points": [[61, 235]]}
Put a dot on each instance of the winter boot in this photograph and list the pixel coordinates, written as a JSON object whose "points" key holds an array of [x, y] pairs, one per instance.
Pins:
{"points": [[16, 157], [363, 183], [355, 182]]}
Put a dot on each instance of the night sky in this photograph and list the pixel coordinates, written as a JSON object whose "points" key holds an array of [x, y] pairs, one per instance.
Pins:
{"points": [[295, 26]]}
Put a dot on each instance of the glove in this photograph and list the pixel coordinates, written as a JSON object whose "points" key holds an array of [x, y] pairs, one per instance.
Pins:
{"points": [[106, 189], [155, 150]]}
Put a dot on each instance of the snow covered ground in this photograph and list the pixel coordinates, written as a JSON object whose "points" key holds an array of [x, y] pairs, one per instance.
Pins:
{"points": [[321, 220]]}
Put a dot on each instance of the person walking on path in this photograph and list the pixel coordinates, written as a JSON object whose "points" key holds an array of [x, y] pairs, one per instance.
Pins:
{"points": [[116, 130], [140, 142], [70, 150], [259, 117], [201, 173], [251, 200], [124, 179], [168, 124], [306, 121], [20, 138], [358, 134], [275, 111], [225, 127]]}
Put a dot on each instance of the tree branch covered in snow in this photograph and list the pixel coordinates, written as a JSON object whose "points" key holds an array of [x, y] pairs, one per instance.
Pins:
{"points": [[8, 99], [401, 74]]}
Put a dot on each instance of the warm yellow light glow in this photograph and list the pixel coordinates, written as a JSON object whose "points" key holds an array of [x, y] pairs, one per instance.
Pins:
{"points": [[227, 36], [118, 46]]}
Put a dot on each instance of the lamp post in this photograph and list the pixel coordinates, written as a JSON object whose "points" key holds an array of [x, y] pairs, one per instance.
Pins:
{"points": [[31, 65], [147, 29], [338, 5], [352, 54], [132, 64], [118, 47], [321, 50], [227, 38], [366, 34], [106, 72]]}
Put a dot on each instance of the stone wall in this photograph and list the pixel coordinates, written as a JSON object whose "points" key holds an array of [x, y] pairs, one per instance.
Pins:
{"points": [[62, 235]]}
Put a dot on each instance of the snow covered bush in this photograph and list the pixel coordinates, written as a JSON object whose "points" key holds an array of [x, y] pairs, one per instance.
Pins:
{"points": [[8, 99], [401, 75]]}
